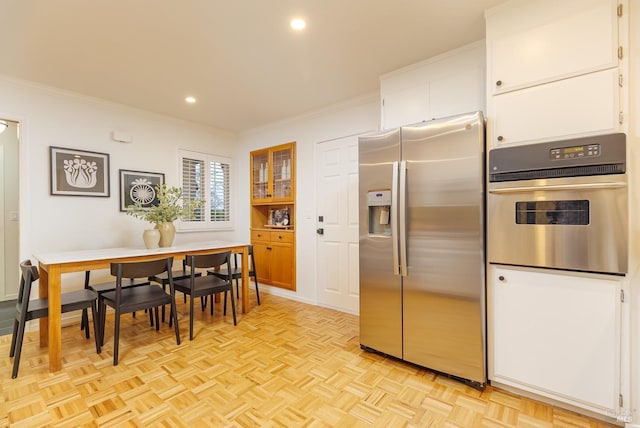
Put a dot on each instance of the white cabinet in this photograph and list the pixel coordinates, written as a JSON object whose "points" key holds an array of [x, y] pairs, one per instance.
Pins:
{"points": [[534, 42], [586, 104], [557, 336], [446, 85], [553, 70]]}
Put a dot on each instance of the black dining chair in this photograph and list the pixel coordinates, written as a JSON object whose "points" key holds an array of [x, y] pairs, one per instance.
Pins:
{"points": [[207, 285], [103, 287], [131, 299], [177, 274], [236, 272], [29, 309]]}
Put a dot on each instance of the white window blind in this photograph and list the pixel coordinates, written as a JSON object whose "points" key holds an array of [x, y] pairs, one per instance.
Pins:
{"points": [[208, 178], [219, 191]]}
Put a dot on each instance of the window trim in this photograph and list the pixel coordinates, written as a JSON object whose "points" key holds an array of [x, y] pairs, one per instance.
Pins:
{"points": [[207, 224]]}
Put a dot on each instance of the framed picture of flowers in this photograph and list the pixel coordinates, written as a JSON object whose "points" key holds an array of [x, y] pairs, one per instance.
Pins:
{"points": [[78, 172], [139, 186]]}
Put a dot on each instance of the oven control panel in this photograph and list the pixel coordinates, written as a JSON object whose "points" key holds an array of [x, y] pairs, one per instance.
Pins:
{"points": [[576, 157], [575, 152]]}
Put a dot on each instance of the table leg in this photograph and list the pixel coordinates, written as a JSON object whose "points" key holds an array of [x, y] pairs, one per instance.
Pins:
{"points": [[245, 280], [43, 291], [51, 327]]}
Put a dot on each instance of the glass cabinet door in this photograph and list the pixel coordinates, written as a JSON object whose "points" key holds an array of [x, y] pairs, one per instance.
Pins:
{"points": [[260, 176], [281, 170]]}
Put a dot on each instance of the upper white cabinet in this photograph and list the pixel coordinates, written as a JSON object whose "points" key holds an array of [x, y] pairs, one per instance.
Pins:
{"points": [[446, 85], [586, 104], [553, 70], [533, 42]]}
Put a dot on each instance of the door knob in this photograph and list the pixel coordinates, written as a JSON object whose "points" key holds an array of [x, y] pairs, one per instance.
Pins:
{"points": [[320, 231]]}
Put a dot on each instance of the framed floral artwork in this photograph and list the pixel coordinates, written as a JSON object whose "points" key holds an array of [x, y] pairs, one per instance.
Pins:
{"points": [[139, 186], [78, 172]]}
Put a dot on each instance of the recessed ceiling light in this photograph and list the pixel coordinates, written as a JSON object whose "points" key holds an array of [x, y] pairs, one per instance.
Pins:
{"points": [[190, 100], [298, 24]]}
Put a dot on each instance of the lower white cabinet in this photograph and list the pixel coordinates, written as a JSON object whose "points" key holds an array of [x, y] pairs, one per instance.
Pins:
{"points": [[557, 336]]}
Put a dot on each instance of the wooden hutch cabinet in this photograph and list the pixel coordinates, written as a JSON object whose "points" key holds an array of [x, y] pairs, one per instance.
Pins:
{"points": [[273, 214]]}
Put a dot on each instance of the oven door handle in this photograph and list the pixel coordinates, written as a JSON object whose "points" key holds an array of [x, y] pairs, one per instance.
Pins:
{"points": [[583, 186]]}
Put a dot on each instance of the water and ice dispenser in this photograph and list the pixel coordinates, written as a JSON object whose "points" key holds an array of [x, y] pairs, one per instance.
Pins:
{"points": [[379, 204]]}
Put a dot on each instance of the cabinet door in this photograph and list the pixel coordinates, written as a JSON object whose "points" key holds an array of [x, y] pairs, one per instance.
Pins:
{"points": [[282, 265], [282, 174], [260, 189], [557, 336], [446, 85], [262, 256], [581, 105], [540, 41]]}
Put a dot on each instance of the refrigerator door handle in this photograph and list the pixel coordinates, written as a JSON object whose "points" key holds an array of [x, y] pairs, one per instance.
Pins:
{"points": [[394, 218], [403, 218]]}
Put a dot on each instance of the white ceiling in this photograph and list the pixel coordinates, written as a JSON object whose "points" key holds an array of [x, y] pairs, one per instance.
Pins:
{"points": [[239, 58]]}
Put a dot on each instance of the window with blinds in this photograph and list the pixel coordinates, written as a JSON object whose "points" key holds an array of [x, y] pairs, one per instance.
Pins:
{"points": [[207, 178]]}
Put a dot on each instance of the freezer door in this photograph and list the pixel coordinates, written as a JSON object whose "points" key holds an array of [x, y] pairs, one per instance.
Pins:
{"points": [[444, 286], [380, 284]]}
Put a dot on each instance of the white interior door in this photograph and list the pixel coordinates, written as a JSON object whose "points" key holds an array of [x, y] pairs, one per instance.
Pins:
{"points": [[9, 214], [337, 204], [3, 275]]}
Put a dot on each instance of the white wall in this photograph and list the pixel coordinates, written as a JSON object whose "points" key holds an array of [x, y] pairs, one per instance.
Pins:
{"points": [[349, 118], [52, 117]]}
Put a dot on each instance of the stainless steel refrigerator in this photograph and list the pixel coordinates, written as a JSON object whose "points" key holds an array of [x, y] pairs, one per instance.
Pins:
{"points": [[422, 277]]}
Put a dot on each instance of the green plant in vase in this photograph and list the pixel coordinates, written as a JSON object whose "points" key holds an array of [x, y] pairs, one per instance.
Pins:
{"points": [[171, 207]]}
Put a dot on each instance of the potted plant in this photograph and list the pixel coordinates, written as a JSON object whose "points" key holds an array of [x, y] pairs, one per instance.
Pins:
{"points": [[171, 206]]}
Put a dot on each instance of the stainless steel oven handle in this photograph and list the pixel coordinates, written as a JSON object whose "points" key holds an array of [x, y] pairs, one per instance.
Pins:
{"points": [[585, 186]]}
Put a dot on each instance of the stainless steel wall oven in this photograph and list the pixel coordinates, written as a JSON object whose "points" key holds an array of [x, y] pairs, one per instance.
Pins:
{"points": [[560, 205]]}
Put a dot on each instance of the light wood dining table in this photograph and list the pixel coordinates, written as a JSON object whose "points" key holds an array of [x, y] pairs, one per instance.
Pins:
{"points": [[53, 264]]}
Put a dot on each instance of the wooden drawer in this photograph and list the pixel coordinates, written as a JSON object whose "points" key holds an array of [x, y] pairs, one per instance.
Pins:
{"points": [[281, 236], [260, 235]]}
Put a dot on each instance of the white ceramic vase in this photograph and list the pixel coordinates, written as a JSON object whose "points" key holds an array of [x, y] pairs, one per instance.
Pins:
{"points": [[151, 238]]}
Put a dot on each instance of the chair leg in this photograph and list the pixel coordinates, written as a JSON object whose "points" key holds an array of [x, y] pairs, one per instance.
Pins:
{"points": [[12, 350], [84, 323], [102, 315], [164, 288], [157, 319], [96, 327], [116, 335], [18, 346], [255, 278], [233, 306], [191, 316], [224, 311], [174, 313], [237, 289]]}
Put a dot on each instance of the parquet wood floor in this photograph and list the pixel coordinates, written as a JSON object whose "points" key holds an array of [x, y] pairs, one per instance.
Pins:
{"points": [[286, 364]]}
